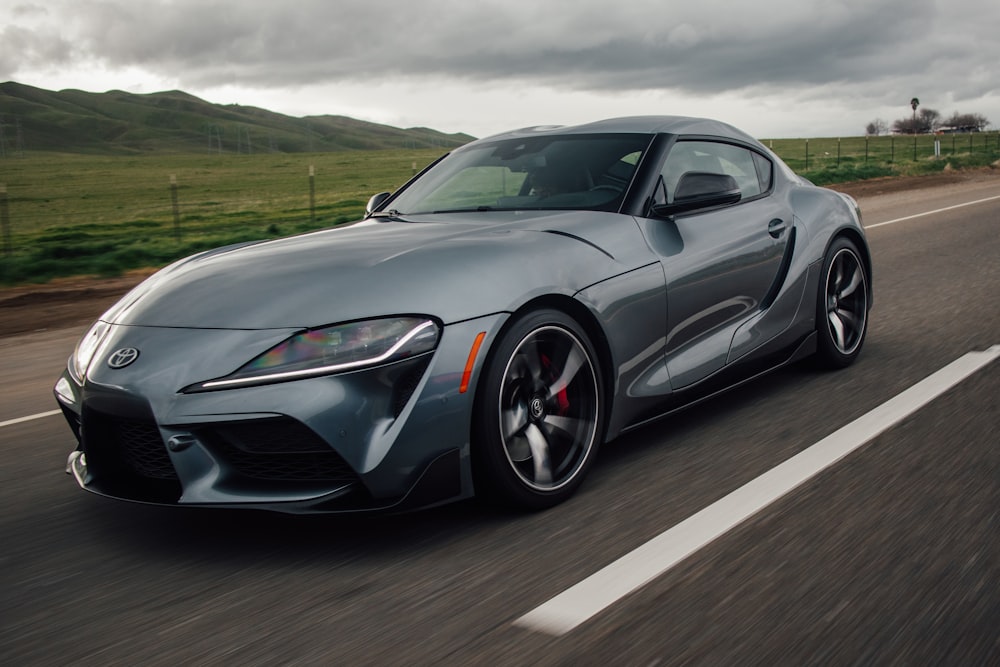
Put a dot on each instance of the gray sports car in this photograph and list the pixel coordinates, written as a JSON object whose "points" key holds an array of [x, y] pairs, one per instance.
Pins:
{"points": [[483, 330]]}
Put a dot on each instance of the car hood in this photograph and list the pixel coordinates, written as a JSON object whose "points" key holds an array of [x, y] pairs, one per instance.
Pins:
{"points": [[454, 267]]}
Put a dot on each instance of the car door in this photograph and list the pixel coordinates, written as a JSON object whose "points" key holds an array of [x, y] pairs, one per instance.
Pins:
{"points": [[721, 260]]}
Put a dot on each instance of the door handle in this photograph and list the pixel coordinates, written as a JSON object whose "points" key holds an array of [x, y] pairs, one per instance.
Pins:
{"points": [[776, 227]]}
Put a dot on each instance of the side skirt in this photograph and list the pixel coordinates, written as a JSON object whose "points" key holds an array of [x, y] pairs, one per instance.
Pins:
{"points": [[730, 378]]}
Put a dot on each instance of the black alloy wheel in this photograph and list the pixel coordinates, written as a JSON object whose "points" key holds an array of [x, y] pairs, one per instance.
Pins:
{"points": [[539, 412], [842, 311]]}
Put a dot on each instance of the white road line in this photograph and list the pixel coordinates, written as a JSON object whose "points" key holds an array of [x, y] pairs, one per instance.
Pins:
{"points": [[630, 572], [940, 210], [11, 422]]}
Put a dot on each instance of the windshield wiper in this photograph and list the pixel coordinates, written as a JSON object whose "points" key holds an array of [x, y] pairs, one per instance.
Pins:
{"points": [[474, 209], [391, 213]]}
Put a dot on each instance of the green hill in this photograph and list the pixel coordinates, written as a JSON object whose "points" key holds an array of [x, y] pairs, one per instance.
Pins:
{"points": [[116, 122]]}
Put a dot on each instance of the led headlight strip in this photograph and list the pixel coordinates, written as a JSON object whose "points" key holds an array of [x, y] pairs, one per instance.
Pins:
{"points": [[330, 369]]}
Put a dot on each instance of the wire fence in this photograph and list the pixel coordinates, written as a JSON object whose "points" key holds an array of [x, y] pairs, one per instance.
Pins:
{"points": [[808, 155], [72, 214]]}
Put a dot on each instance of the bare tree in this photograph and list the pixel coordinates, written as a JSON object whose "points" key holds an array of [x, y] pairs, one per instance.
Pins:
{"points": [[876, 127], [925, 122], [967, 122], [928, 120]]}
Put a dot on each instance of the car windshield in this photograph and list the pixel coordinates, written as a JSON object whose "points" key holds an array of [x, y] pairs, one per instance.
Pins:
{"points": [[574, 172]]}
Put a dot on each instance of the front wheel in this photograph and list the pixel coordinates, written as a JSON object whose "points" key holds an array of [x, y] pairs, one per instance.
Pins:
{"points": [[842, 310], [539, 412]]}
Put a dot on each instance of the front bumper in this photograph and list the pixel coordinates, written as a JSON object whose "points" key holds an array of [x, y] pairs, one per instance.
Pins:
{"points": [[387, 438]]}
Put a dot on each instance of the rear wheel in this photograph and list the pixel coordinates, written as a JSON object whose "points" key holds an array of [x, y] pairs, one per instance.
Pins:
{"points": [[842, 310], [539, 412]]}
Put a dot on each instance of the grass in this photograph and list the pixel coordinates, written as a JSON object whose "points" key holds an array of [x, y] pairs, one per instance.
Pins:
{"points": [[826, 161], [101, 215]]}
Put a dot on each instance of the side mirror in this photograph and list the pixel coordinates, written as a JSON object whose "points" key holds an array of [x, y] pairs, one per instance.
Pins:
{"points": [[375, 202], [701, 189]]}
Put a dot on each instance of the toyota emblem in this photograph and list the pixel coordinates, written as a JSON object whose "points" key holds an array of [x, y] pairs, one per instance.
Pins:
{"points": [[123, 357]]}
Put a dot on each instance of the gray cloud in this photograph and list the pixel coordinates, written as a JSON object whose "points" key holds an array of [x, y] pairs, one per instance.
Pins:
{"points": [[856, 48], [20, 47]]}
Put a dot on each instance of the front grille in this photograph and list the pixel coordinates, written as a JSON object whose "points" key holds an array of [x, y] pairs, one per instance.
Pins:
{"points": [[278, 450], [273, 436], [127, 457], [142, 448], [73, 420]]}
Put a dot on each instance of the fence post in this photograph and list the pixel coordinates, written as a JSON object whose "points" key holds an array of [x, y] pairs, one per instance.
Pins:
{"points": [[914, 146], [312, 194], [5, 220], [176, 206]]}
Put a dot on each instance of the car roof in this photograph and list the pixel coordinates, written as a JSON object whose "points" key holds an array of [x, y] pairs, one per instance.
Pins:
{"points": [[635, 125]]}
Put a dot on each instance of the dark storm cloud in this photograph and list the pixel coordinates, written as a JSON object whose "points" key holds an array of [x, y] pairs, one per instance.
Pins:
{"points": [[707, 47], [25, 47]]}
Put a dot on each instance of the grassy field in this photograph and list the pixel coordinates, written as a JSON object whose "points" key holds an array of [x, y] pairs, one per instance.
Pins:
{"points": [[831, 160], [73, 214], [66, 215]]}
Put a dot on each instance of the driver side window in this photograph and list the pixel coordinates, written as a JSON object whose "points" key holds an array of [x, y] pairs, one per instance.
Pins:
{"points": [[713, 158]]}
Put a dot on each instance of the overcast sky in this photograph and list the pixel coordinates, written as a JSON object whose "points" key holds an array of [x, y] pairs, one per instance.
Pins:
{"points": [[776, 68]]}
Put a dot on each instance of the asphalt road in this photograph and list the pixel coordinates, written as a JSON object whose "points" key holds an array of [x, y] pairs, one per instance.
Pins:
{"points": [[890, 556]]}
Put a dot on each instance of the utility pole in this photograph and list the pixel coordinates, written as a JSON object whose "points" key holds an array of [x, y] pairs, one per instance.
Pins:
{"points": [[214, 138], [5, 220], [19, 142]]}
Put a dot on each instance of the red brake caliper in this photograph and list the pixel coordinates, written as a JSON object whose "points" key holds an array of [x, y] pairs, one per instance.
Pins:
{"points": [[562, 398]]}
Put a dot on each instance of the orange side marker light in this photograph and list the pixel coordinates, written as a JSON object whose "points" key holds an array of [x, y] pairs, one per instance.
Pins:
{"points": [[467, 374]]}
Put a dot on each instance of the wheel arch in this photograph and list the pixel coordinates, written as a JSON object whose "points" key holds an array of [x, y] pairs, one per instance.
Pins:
{"points": [[859, 241], [496, 477], [591, 326]]}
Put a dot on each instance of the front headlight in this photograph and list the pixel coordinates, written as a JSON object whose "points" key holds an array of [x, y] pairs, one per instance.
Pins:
{"points": [[336, 349], [85, 349]]}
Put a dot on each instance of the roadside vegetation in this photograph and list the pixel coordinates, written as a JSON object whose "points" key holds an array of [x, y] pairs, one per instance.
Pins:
{"points": [[101, 215], [828, 161], [67, 215]]}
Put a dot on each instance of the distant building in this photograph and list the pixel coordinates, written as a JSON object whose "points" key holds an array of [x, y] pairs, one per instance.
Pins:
{"points": [[957, 129]]}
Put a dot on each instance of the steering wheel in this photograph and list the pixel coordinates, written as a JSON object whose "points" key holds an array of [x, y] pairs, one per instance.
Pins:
{"points": [[614, 189]]}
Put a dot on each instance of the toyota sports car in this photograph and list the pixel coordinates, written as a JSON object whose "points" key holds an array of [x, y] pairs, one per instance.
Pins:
{"points": [[483, 330]]}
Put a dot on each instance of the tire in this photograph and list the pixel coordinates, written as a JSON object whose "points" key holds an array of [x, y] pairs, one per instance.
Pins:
{"points": [[539, 413], [842, 307]]}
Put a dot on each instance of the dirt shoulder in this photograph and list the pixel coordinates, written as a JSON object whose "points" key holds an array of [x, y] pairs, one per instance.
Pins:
{"points": [[881, 186], [64, 302], [71, 302]]}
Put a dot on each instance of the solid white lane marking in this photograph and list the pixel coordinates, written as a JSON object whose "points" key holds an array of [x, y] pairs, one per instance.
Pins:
{"points": [[630, 572], [11, 422], [940, 210]]}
